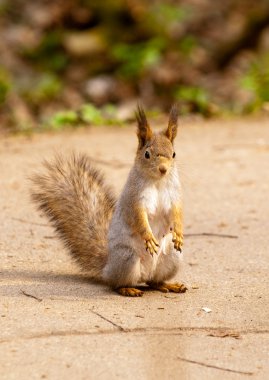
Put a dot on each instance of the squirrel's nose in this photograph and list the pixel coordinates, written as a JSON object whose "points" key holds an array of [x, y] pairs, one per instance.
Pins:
{"points": [[162, 169]]}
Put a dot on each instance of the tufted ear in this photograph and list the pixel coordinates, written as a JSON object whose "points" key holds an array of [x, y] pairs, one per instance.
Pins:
{"points": [[171, 130], [144, 132]]}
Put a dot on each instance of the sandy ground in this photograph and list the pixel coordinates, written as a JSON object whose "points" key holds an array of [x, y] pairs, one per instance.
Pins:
{"points": [[55, 324]]}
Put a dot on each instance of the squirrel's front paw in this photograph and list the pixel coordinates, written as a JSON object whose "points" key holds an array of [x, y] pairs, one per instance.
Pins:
{"points": [[151, 245], [177, 240]]}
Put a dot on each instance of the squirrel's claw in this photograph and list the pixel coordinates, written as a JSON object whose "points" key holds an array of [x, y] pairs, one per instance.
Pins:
{"points": [[168, 287], [152, 246], [177, 240]]}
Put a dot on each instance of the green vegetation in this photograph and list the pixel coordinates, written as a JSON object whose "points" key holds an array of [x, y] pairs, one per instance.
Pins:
{"points": [[5, 84], [62, 119], [87, 114], [196, 98], [137, 58], [256, 81], [78, 62], [49, 54], [46, 88]]}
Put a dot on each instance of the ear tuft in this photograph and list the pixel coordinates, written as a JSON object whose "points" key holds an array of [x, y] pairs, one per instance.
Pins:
{"points": [[144, 132], [171, 130]]}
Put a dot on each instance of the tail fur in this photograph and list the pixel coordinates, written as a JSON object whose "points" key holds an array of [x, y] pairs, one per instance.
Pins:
{"points": [[79, 205]]}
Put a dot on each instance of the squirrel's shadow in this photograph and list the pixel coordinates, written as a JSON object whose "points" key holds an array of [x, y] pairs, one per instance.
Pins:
{"points": [[55, 286], [47, 285]]}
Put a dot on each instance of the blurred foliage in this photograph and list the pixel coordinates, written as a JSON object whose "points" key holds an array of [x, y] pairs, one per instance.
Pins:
{"points": [[67, 62], [135, 59], [196, 98], [62, 119], [49, 54], [45, 88], [256, 80], [5, 84], [161, 16], [90, 114], [86, 114]]}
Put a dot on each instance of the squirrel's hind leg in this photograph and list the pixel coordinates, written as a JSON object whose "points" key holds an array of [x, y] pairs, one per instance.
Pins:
{"points": [[168, 287], [129, 292], [167, 268], [123, 271]]}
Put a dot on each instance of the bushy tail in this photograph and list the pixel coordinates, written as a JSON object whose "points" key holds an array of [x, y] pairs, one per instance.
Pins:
{"points": [[79, 205]]}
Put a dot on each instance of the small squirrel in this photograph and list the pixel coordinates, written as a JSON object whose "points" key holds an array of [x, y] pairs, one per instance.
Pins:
{"points": [[126, 242]]}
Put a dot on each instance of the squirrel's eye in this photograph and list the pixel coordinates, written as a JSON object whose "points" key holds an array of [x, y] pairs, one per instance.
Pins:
{"points": [[174, 154], [147, 155]]}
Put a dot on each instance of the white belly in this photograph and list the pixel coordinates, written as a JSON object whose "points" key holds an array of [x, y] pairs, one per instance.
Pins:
{"points": [[158, 203], [150, 265]]}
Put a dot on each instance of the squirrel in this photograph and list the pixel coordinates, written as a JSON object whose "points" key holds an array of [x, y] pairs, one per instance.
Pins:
{"points": [[126, 242]]}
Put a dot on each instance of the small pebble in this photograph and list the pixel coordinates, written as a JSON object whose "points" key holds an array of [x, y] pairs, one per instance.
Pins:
{"points": [[206, 309]]}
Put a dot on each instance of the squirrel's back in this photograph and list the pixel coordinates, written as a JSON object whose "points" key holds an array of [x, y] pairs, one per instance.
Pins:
{"points": [[73, 195]]}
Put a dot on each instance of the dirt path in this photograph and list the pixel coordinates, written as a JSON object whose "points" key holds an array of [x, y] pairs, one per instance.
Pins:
{"points": [[57, 325]]}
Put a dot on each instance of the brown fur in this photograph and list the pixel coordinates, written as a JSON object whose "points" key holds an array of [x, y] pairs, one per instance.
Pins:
{"points": [[178, 227], [161, 151], [160, 147], [78, 203], [144, 131], [171, 131], [80, 206], [138, 221]]}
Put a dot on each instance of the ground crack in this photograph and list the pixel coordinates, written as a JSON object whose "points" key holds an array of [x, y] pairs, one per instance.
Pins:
{"points": [[122, 330], [214, 366]]}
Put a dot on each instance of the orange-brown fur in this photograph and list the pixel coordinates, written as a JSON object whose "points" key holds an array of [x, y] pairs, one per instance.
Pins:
{"points": [[178, 226], [112, 241], [145, 172], [64, 192]]}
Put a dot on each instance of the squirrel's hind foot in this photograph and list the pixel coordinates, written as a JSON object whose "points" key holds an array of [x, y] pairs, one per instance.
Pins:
{"points": [[166, 287], [130, 292]]}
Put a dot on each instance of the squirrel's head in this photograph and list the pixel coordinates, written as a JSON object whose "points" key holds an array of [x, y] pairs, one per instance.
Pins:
{"points": [[155, 153]]}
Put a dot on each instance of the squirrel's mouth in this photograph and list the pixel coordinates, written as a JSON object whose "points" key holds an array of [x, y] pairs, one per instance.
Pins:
{"points": [[162, 176]]}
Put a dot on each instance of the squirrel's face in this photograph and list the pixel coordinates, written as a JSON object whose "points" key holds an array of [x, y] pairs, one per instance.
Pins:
{"points": [[155, 154], [157, 157]]}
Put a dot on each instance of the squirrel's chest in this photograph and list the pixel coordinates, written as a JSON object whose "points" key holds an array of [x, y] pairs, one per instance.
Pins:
{"points": [[158, 200]]}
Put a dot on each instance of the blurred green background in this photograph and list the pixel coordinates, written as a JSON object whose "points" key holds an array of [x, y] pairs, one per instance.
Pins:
{"points": [[68, 62]]}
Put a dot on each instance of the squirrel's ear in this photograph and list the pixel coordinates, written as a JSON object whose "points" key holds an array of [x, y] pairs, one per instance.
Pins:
{"points": [[144, 132], [171, 130]]}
